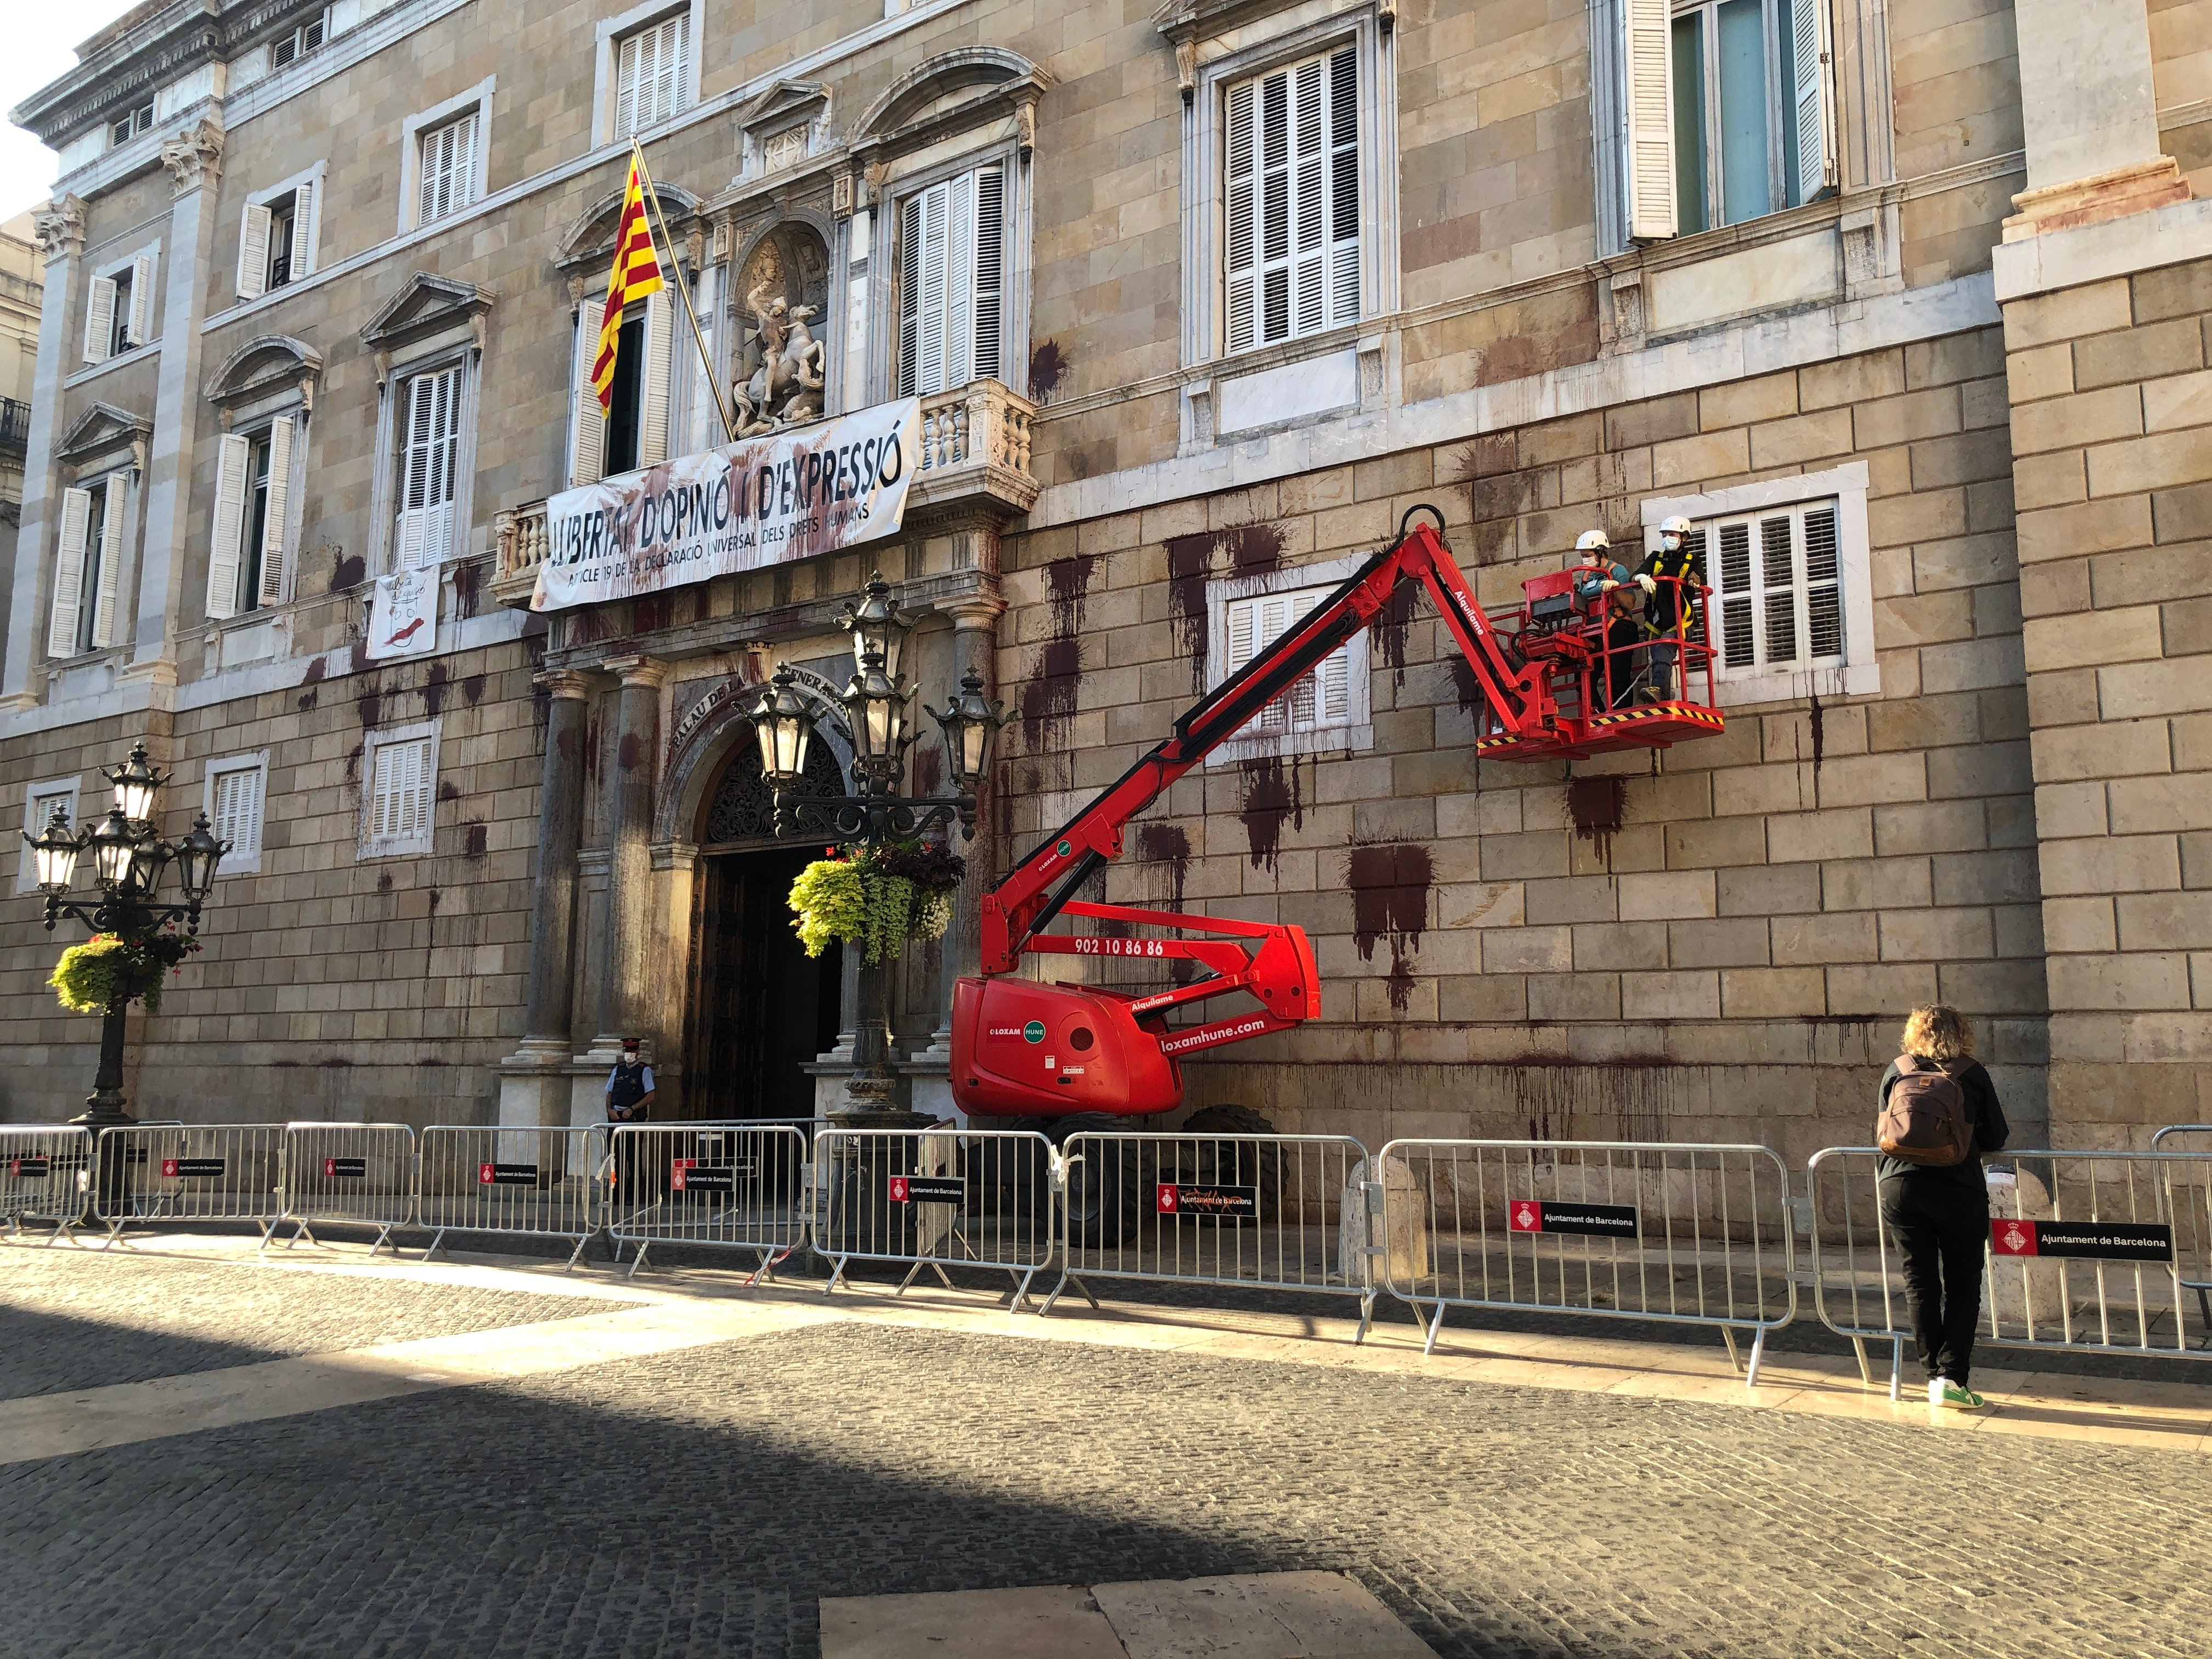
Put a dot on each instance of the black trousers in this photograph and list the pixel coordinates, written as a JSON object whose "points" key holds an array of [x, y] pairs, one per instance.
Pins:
{"points": [[1622, 636], [1943, 1227]]}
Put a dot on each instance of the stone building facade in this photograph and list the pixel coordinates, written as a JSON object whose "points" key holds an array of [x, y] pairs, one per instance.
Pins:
{"points": [[1904, 307]]}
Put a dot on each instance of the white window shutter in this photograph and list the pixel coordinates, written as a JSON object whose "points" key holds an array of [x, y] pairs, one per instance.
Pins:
{"points": [[1310, 202], [302, 251], [274, 542], [253, 254], [626, 57], [929, 368], [1344, 186], [1241, 238], [110, 586], [139, 328], [909, 268], [69, 572], [588, 437], [1647, 52], [675, 39], [100, 320], [990, 270], [1242, 620], [959, 279], [235, 455], [1814, 106], [654, 377]]}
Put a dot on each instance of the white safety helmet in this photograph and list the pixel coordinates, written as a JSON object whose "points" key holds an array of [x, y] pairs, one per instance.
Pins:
{"points": [[1593, 541], [1674, 530]]}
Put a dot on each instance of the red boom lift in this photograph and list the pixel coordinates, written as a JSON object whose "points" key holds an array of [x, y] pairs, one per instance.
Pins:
{"points": [[1022, 1048]]}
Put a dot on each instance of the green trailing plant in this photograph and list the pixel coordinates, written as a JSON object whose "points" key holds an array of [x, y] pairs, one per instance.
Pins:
{"points": [[108, 969], [877, 901]]}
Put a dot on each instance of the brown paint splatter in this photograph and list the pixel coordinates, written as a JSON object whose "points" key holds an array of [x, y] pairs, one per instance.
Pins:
{"points": [[1270, 795], [1387, 631], [1250, 549], [1466, 688], [473, 688], [1067, 590], [434, 691], [315, 673], [630, 753], [929, 769], [449, 790], [1048, 363], [466, 582], [308, 699], [593, 748], [1390, 902], [369, 705], [384, 882], [1048, 697], [353, 764], [1594, 805], [1816, 717], [649, 615], [479, 841], [1166, 844], [357, 659], [349, 571]]}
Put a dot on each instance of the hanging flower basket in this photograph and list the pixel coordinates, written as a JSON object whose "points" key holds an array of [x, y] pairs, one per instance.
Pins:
{"points": [[107, 970], [877, 901]]}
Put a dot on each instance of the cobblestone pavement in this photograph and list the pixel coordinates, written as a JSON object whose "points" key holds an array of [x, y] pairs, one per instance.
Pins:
{"points": [[72, 1319], [699, 1503]]}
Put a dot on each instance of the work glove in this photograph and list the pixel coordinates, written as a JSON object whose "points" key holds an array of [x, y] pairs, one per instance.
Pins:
{"points": [[1647, 583]]}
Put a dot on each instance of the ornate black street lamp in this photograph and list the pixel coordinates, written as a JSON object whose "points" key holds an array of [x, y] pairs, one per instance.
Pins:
{"points": [[128, 858], [875, 707]]}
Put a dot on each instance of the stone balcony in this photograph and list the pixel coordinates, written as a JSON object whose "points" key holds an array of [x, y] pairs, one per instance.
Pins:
{"points": [[975, 460]]}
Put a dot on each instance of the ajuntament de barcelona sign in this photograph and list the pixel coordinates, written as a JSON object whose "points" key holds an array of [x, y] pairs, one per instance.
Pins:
{"points": [[833, 484]]}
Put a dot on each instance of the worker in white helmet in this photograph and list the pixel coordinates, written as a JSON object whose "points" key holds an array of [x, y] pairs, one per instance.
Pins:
{"points": [[1606, 588], [1669, 578]]}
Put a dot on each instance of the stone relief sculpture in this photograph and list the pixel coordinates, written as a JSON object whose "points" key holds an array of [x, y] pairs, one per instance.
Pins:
{"points": [[782, 362]]}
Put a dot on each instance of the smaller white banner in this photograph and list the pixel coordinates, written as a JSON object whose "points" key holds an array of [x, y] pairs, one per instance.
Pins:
{"points": [[833, 484], [402, 616]]}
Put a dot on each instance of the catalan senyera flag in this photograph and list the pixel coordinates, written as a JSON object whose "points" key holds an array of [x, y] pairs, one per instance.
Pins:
{"points": [[636, 273]]}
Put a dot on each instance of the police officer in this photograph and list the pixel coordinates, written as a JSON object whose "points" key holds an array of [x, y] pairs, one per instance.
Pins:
{"points": [[629, 1100], [1669, 577], [1606, 589]]}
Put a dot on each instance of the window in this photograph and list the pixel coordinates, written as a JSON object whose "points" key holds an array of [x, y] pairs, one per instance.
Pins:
{"points": [[633, 432], [445, 158], [298, 42], [124, 128], [276, 246], [39, 802], [952, 240], [1329, 707], [1750, 119], [401, 767], [1290, 238], [650, 74], [1792, 600], [249, 566], [235, 790], [88, 574], [429, 449], [119, 311]]}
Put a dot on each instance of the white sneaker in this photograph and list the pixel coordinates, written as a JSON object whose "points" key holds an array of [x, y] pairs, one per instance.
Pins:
{"points": [[1935, 1390]]}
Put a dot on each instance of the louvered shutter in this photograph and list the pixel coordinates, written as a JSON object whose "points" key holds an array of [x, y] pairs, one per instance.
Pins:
{"points": [[302, 251], [1344, 187], [235, 455], [1824, 594], [654, 377], [929, 369], [1310, 204], [1241, 241], [447, 180], [253, 254], [238, 809], [701, 419], [1814, 109], [675, 34], [990, 273], [959, 279], [910, 269], [138, 328], [425, 507], [1739, 635], [626, 58], [1648, 57], [275, 540], [587, 438], [100, 320], [69, 572], [109, 588]]}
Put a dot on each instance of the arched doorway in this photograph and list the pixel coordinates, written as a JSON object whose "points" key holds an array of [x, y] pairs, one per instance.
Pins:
{"points": [[761, 1008]]}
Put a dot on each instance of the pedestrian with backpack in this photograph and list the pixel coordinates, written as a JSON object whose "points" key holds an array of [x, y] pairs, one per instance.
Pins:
{"points": [[1939, 1118]]}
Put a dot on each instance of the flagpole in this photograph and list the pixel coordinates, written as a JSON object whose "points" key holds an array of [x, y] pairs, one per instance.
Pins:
{"points": [[684, 291]]}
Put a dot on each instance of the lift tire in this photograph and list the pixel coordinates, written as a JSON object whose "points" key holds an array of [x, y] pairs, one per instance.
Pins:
{"points": [[1025, 1183], [1232, 1163], [1106, 1197]]}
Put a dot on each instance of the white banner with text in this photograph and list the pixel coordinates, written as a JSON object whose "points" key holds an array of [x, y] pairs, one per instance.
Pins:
{"points": [[831, 485]]}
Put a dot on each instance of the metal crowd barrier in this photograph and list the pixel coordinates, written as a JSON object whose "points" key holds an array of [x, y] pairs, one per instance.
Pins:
{"points": [[742, 1186], [1683, 1234], [1283, 1213], [934, 1198], [525, 1183], [44, 1177], [2089, 1252], [2203, 1132], [359, 1173], [189, 1173]]}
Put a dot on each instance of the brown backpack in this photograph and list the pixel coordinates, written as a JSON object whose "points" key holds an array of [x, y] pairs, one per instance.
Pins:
{"points": [[1925, 1120]]}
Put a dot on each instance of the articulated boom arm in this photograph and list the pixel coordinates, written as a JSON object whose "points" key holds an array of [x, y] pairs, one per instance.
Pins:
{"points": [[1043, 885]]}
